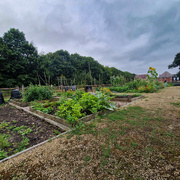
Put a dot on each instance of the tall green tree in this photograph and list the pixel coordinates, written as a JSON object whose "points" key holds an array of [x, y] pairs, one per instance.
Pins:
{"points": [[18, 59], [60, 64]]}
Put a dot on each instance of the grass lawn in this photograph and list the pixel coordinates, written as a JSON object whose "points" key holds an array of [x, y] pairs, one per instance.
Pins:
{"points": [[141, 141]]}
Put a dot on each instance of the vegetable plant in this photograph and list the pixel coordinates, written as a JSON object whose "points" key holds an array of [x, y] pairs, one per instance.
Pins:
{"points": [[36, 92]]}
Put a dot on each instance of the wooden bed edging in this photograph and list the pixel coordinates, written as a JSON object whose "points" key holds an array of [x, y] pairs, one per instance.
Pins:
{"points": [[51, 117], [21, 104], [126, 99], [63, 121]]}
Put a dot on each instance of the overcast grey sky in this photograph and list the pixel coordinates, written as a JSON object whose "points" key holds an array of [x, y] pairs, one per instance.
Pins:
{"points": [[130, 35]]}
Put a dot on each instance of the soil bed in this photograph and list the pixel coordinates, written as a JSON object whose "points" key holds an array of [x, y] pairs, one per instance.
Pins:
{"points": [[20, 130], [127, 98]]}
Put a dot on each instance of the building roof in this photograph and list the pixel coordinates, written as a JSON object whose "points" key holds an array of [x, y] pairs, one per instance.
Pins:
{"points": [[165, 75], [141, 76]]}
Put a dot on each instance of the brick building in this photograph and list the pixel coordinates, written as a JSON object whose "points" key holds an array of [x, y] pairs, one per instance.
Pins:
{"points": [[165, 77]]}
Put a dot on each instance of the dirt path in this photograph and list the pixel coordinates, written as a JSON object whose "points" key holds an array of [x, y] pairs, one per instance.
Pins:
{"points": [[78, 157]]}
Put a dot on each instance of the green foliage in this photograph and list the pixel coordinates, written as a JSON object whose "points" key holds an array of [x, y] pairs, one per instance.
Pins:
{"points": [[70, 110], [159, 85], [19, 59], [77, 95], [3, 154], [176, 104], [37, 105], [21, 64], [152, 74], [36, 92], [176, 62], [23, 130], [87, 158], [69, 93], [150, 88], [140, 86], [80, 105], [4, 141], [120, 89], [117, 80], [136, 95], [23, 144], [169, 84], [3, 125]]}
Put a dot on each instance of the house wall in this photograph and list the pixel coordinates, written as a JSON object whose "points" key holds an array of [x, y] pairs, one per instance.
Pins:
{"points": [[165, 79]]}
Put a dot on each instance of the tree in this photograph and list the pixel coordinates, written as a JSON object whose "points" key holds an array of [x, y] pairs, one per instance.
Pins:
{"points": [[176, 62], [19, 59], [60, 63]]}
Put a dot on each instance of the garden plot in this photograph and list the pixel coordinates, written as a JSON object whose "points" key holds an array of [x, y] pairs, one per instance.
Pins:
{"points": [[81, 107], [127, 98], [124, 99], [19, 130]]}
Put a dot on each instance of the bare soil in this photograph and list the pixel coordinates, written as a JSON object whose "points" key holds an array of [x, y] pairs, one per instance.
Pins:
{"points": [[118, 146], [41, 130]]}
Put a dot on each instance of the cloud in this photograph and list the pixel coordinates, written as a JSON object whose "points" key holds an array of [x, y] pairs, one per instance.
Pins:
{"points": [[129, 35]]}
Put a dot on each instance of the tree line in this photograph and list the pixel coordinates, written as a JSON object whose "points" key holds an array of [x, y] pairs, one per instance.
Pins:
{"points": [[22, 64]]}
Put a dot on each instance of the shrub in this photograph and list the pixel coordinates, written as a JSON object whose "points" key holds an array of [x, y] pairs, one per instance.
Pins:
{"points": [[105, 90], [159, 84], [147, 89], [169, 84], [120, 89], [36, 92]]}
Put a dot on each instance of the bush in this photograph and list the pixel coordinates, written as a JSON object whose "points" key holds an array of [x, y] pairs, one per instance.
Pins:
{"points": [[169, 84], [146, 89], [36, 92], [159, 84], [139, 85], [120, 89]]}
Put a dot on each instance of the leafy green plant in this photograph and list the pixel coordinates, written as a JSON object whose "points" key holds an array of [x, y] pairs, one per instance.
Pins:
{"points": [[23, 130], [36, 92], [140, 86], [40, 107], [4, 141], [70, 110], [117, 80], [3, 154], [83, 105], [23, 144], [152, 74], [56, 132], [4, 124]]}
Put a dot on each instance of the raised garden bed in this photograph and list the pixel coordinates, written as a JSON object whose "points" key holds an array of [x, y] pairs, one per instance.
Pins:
{"points": [[19, 102], [49, 116], [19, 130], [127, 98], [25, 104], [63, 121]]}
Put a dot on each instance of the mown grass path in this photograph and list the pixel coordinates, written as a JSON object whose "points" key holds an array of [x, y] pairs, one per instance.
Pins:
{"points": [[141, 141]]}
